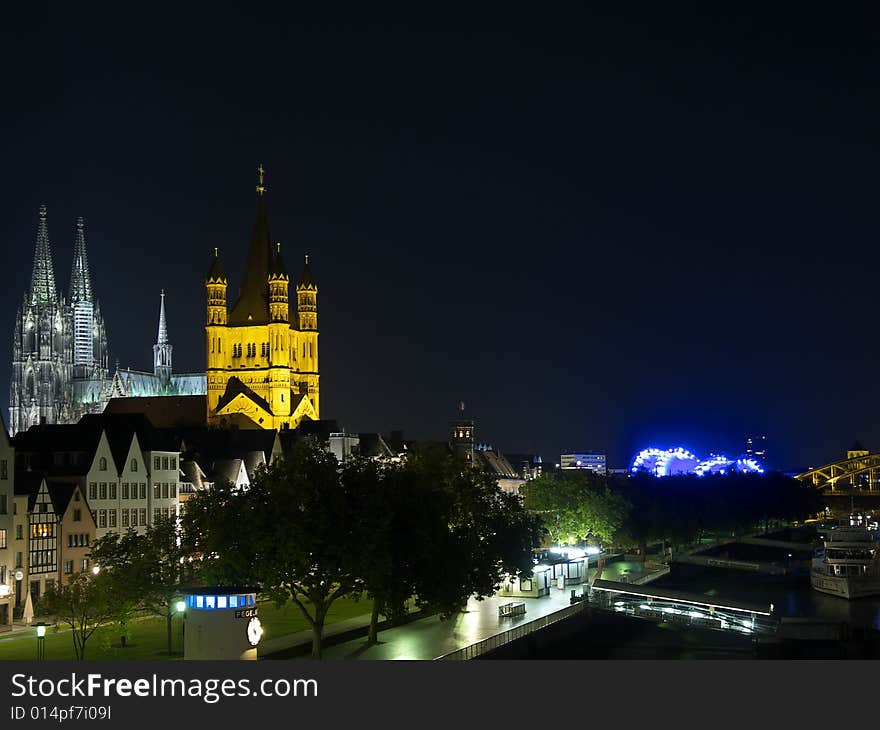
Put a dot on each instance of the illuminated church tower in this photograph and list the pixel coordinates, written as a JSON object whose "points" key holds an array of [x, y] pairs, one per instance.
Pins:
{"points": [[59, 348], [262, 358], [162, 348]]}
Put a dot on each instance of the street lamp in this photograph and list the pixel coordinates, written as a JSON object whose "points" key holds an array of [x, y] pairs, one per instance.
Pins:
{"points": [[96, 569], [41, 640], [181, 609]]}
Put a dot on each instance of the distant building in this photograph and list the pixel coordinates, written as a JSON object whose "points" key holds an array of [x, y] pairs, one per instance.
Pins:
{"points": [[60, 349], [483, 457], [529, 466], [127, 469], [593, 461]]}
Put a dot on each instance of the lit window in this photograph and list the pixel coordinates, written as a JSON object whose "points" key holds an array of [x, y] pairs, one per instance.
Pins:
{"points": [[200, 601], [233, 601], [221, 601], [209, 601]]}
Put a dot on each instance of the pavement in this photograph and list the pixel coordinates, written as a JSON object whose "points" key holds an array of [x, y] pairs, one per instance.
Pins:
{"points": [[429, 638]]}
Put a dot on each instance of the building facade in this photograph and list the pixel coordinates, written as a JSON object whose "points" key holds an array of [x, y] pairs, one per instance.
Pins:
{"points": [[593, 461], [7, 529], [262, 354], [60, 350]]}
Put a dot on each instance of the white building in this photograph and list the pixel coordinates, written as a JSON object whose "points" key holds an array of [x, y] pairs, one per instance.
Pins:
{"points": [[593, 461]]}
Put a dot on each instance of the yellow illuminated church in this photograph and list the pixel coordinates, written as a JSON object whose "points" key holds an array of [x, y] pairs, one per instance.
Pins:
{"points": [[262, 354]]}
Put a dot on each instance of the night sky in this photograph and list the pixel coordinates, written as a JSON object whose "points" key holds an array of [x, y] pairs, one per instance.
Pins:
{"points": [[598, 232]]}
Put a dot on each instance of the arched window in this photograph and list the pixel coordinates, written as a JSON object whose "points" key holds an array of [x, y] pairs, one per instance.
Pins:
{"points": [[102, 464], [134, 464]]}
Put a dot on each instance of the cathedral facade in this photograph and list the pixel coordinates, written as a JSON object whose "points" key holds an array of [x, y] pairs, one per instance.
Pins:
{"points": [[262, 354], [60, 349]]}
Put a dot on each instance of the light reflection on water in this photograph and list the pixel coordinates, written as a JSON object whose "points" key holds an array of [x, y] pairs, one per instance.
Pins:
{"points": [[791, 596]]}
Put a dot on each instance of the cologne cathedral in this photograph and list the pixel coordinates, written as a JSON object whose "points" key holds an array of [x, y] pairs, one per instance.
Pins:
{"points": [[60, 351]]}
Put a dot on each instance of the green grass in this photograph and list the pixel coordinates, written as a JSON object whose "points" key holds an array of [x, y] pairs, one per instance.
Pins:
{"points": [[147, 638]]}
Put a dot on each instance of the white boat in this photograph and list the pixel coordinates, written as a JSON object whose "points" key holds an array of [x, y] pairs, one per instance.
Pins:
{"points": [[849, 563]]}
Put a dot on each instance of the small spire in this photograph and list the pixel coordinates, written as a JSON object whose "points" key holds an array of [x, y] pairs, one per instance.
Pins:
{"points": [[260, 187], [278, 244], [216, 251], [163, 327], [461, 407], [307, 259]]}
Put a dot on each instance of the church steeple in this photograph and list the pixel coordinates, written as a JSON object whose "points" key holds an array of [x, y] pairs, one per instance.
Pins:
{"points": [[43, 277], [80, 281], [162, 348], [252, 306]]}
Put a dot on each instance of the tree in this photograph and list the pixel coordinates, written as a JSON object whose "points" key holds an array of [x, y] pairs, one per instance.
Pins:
{"points": [[577, 505], [84, 603], [293, 532], [310, 531], [118, 558], [472, 534], [147, 569]]}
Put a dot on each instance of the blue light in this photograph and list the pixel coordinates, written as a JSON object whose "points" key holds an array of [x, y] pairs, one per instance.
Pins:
{"points": [[678, 460]]}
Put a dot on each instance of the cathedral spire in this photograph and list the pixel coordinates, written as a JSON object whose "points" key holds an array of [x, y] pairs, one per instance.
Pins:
{"points": [[252, 305], [80, 281], [163, 327], [162, 348], [43, 277]]}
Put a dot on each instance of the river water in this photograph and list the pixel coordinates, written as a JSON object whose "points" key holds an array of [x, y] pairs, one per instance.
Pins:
{"points": [[791, 595]]}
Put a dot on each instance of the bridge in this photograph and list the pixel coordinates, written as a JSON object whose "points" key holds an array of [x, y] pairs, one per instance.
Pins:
{"points": [[857, 474], [686, 609]]}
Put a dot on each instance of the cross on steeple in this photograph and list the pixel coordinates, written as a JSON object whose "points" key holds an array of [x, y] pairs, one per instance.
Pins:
{"points": [[260, 187]]}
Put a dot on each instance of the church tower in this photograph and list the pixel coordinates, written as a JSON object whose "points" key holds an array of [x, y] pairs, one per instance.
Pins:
{"points": [[41, 348], [162, 350], [256, 376], [307, 322], [87, 336]]}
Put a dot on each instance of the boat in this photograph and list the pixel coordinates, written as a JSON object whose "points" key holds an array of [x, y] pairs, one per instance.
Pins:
{"points": [[848, 564]]}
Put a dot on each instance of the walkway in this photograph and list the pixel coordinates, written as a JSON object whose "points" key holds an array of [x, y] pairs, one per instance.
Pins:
{"points": [[430, 637]]}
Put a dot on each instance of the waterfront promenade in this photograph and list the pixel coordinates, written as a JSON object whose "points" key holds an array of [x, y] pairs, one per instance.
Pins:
{"points": [[429, 638]]}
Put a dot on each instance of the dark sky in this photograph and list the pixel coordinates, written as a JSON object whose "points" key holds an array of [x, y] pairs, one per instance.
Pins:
{"points": [[598, 231]]}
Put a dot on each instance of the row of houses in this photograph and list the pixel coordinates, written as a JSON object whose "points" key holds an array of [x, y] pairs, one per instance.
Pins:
{"points": [[64, 486]]}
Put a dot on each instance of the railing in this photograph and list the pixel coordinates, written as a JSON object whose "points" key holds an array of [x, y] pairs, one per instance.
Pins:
{"points": [[511, 609], [517, 632]]}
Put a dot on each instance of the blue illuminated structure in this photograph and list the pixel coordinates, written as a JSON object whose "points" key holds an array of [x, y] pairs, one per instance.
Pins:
{"points": [[678, 460], [213, 601]]}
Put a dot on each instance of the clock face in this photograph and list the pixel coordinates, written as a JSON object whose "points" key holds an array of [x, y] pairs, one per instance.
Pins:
{"points": [[254, 631]]}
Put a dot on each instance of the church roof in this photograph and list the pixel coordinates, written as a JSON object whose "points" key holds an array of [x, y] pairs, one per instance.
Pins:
{"points": [[164, 411], [252, 306], [235, 387], [306, 280], [278, 269], [216, 272]]}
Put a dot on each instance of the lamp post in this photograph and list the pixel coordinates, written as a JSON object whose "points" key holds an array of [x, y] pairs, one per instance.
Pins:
{"points": [[41, 640], [181, 609]]}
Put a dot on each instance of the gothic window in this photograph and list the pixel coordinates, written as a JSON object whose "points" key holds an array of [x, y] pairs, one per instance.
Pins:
{"points": [[102, 464], [134, 464]]}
